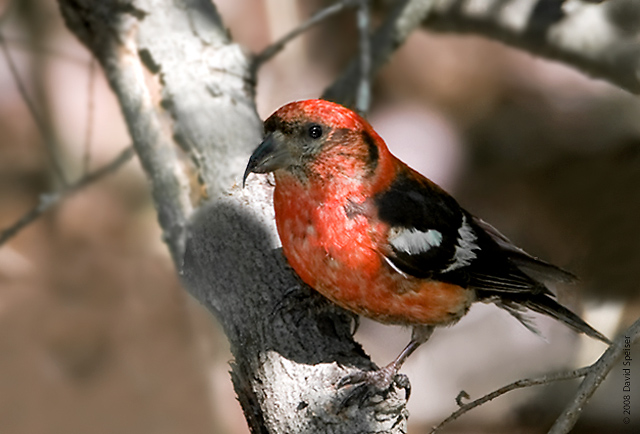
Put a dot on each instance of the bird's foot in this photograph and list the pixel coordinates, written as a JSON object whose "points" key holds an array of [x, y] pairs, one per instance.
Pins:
{"points": [[367, 384]]}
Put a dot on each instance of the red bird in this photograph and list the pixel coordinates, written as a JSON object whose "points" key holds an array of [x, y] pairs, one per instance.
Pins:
{"points": [[379, 239]]}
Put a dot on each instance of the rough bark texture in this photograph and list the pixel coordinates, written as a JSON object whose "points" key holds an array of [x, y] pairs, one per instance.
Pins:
{"points": [[206, 86], [290, 346], [108, 29], [600, 39]]}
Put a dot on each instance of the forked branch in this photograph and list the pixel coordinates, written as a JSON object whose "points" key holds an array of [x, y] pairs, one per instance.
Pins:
{"points": [[594, 374]]}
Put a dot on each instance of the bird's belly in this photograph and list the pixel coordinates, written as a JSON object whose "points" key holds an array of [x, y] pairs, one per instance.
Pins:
{"points": [[338, 257]]}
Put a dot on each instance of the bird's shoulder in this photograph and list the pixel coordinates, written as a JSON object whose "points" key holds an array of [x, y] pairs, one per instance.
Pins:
{"points": [[424, 224]]}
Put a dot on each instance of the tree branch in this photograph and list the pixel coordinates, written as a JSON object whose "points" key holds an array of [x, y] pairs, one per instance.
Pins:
{"points": [[404, 17], [88, 133], [8, 9], [20, 44], [207, 87], [273, 49], [288, 356], [290, 346], [519, 384], [594, 375], [109, 31], [49, 200], [50, 146], [597, 373], [599, 39], [363, 98]]}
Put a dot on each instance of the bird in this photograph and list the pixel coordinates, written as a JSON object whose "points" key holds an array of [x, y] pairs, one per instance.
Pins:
{"points": [[381, 240]]}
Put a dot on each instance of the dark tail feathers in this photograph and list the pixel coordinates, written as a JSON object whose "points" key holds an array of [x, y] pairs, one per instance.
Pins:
{"points": [[546, 305]]}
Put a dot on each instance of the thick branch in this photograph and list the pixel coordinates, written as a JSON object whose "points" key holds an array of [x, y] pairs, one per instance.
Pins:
{"points": [[285, 339], [290, 345], [207, 87], [599, 39], [109, 30]]}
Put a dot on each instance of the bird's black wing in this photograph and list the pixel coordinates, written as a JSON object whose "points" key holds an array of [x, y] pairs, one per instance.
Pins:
{"points": [[431, 236], [424, 223]]}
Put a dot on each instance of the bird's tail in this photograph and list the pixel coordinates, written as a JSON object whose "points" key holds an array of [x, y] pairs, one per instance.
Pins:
{"points": [[544, 304]]}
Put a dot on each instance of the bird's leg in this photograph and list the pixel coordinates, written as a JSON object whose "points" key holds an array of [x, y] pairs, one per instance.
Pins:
{"points": [[419, 335], [370, 383]]}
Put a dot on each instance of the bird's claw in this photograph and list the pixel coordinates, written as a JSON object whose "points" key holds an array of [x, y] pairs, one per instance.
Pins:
{"points": [[367, 384]]}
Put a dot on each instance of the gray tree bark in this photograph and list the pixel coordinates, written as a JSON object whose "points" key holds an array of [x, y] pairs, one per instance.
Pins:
{"points": [[290, 346], [600, 38]]}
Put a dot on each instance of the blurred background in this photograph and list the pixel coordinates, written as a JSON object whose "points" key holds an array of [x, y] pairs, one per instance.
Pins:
{"points": [[96, 334]]}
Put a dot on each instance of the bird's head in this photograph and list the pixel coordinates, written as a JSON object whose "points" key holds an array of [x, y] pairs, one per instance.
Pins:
{"points": [[317, 138]]}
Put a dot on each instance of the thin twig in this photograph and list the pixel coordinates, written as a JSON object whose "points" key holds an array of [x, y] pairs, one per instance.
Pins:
{"points": [[50, 147], [88, 133], [318, 17], [462, 395], [21, 44], [363, 100], [7, 11], [51, 199], [403, 18], [527, 382], [594, 375], [597, 373]]}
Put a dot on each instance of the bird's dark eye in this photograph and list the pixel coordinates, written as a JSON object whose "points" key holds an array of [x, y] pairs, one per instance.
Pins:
{"points": [[315, 131]]}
